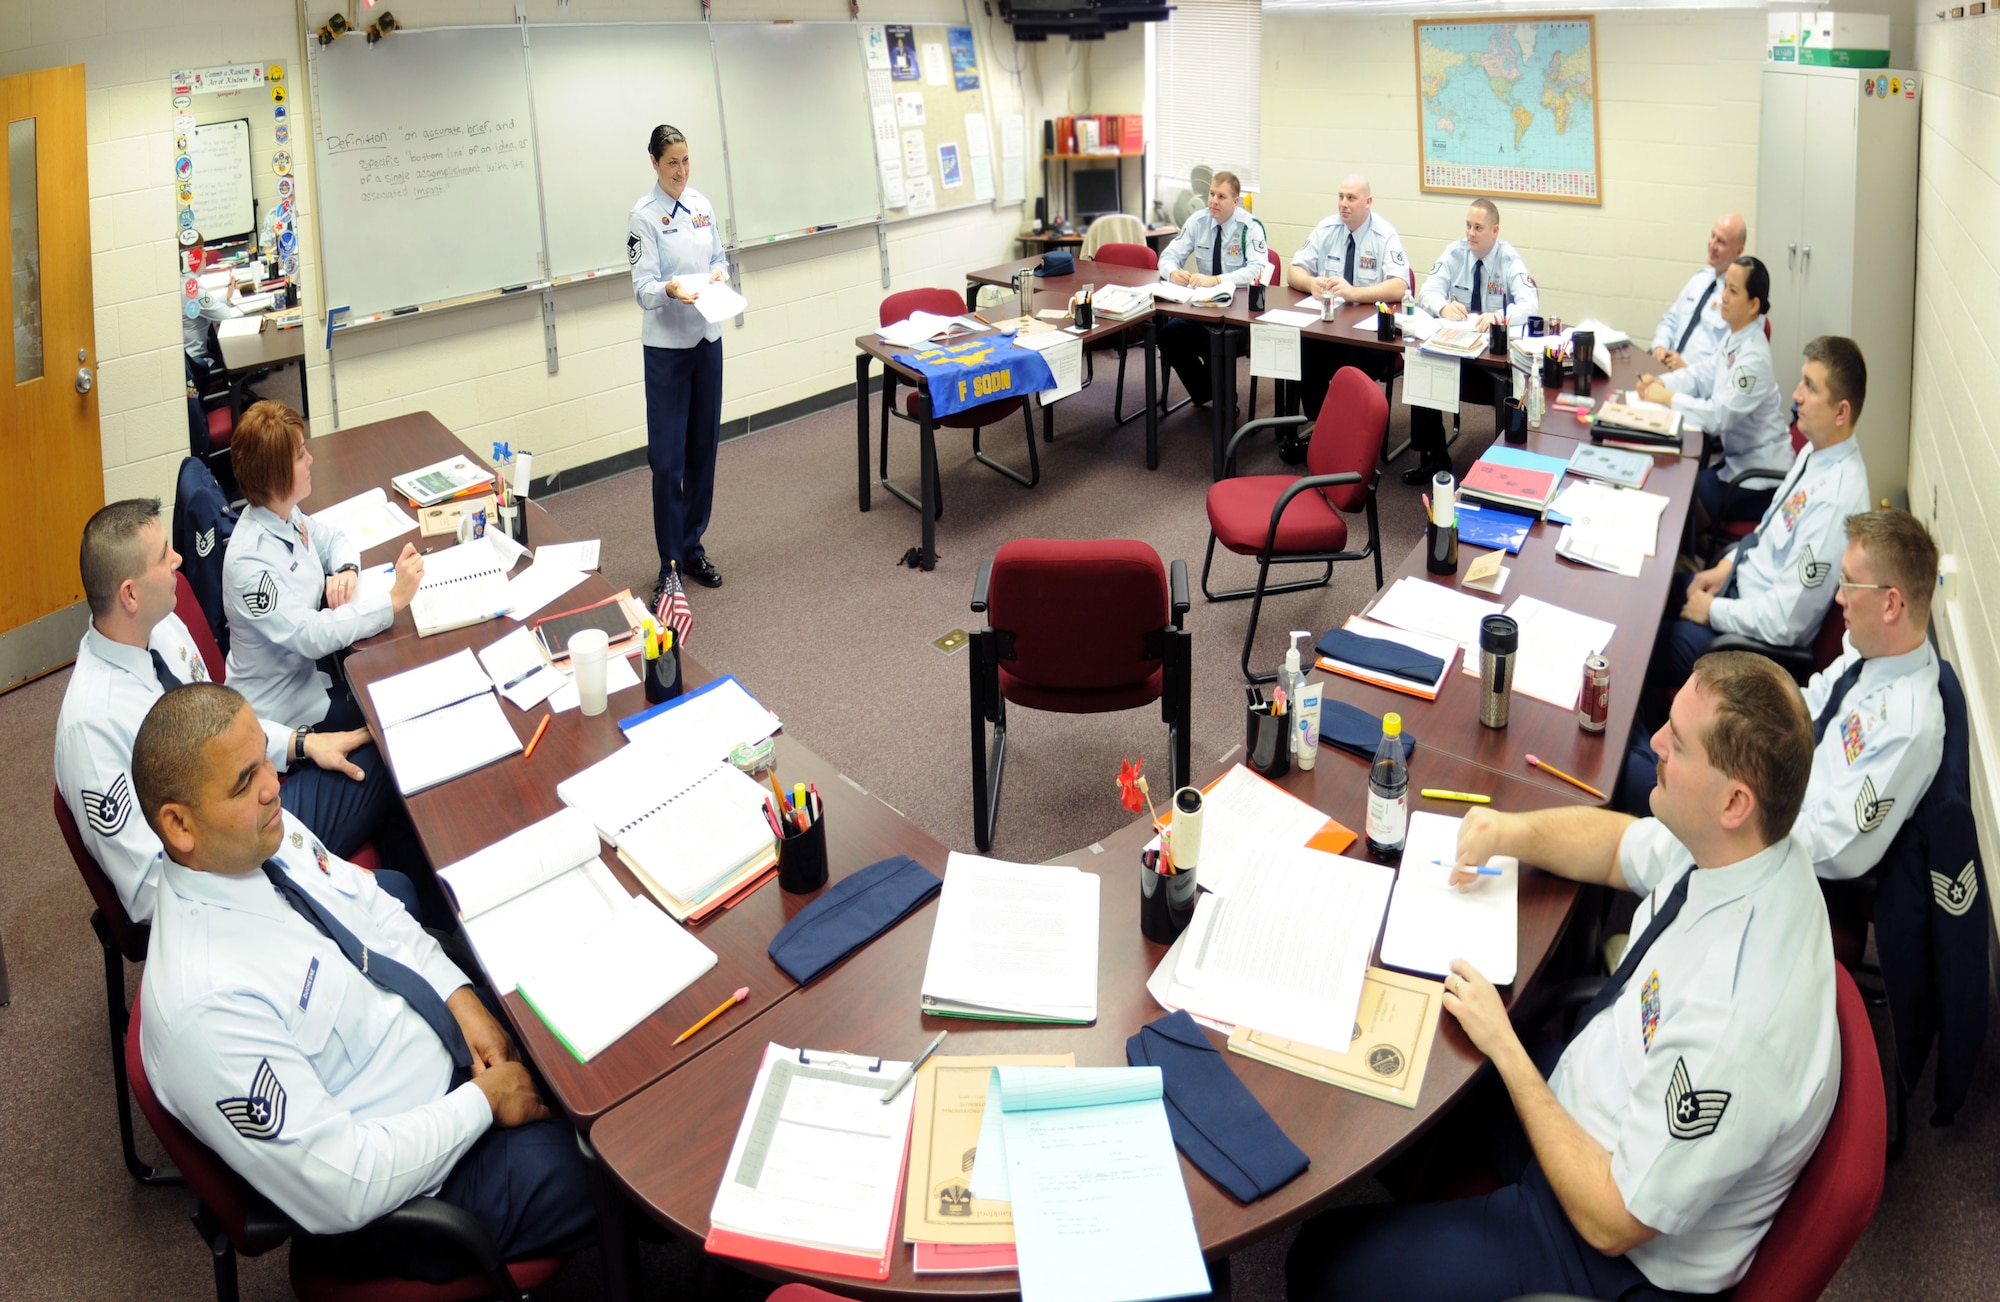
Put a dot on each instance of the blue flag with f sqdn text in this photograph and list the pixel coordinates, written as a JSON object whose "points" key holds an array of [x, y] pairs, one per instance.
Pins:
{"points": [[975, 371]]}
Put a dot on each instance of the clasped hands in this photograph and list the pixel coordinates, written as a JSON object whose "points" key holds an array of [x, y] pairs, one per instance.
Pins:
{"points": [[496, 1063]]}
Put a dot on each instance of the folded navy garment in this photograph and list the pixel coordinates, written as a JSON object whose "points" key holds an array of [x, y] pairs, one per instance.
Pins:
{"points": [[1215, 1118], [854, 912], [1355, 730], [1381, 656]]}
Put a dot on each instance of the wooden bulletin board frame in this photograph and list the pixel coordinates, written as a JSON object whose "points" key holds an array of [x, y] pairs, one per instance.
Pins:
{"points": [[1501, 174], [945, 111]]}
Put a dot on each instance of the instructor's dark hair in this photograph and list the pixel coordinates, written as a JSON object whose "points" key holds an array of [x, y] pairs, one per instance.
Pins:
{"points": [[1756, 282], [664, 135]]}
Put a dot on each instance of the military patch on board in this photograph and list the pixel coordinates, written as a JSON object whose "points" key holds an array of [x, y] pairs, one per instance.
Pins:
{"points": [[260, 1114]]}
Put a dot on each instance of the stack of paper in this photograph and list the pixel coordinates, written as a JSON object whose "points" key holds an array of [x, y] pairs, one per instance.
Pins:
{"points": [[1397, 1022], [1515, 477], [366, 519], [1554, 644], [531, 893], [1287, 950], [607, 981], [1611, 528], [706, 723], [1123, 302], [1444, 649], [516, 666], [440, 721], [1433, 608], [1014, 942], [815, 1175], [1100, 1209], [1453, 339], [922, 327], [1431, 922], [1246, 817]]}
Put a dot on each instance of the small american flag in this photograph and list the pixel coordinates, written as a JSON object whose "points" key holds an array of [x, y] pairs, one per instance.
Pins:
{"points": [[674, 611]]}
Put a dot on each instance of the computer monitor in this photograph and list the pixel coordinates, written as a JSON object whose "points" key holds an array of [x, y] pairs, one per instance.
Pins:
{"points": [[1093, 192]]}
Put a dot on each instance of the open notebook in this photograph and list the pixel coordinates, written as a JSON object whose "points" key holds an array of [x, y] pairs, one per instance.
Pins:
{"points": [[439, 721], [692, 831], [547, 917], [1431, 922]]}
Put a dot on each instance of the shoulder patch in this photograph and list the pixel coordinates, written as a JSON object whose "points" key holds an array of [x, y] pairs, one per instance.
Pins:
{"points": [[265, 599], [1955, 895], [1869, 808], [1742, 379], [632, 248], [108, 811], [204, 542], [260, 1114], [1692, 1113], [1812, 573]]}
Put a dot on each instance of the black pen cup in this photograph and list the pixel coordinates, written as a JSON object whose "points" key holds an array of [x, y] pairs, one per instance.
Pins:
{"points": [[1385, 326], [1267, 738], [1514, 420], [1441, 548], [1166, 903], [1498, 341], [1256, 298], [1084, 315], [802, 857], [1584, 343]]}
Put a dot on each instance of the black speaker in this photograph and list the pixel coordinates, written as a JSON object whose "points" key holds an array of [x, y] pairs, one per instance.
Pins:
{"points": [[1041, 213], [1048, 135]]}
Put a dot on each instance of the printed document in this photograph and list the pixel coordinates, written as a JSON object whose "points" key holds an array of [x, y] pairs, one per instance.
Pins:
{"points": [[600, 985], [1286, 951], [517, 667], [1014, 942], [447, 743], [1274, 351], [1433, 608], [818, 1156], [535, 587], [1100, 1209], [402, 697], [708, 722], [1554, 644], [1429, 381], [542, 891], [717, 301], [367, 519], [1245, 818], [1431, 922], [570, 555]]}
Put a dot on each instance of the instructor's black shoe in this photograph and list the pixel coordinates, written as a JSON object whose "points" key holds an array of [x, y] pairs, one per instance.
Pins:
{"points": [[1426, 470], [702, 570]]}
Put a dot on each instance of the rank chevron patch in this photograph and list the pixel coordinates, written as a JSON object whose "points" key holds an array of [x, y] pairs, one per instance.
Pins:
{"points": [[261, 1113], [264, 600], [1692, 1113], [1812, 573], [108, 810], [1955, 895], [1870, 809], [204, 542]]}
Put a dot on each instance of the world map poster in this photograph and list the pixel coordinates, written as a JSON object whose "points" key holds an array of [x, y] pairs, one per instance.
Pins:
{"points": [[1508, 109]]}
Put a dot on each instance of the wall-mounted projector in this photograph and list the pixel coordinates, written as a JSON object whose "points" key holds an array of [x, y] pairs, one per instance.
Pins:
{"points": [[1080, 20]]}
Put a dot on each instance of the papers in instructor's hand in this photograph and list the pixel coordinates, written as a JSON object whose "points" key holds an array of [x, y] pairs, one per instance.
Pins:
{"points": [[1014, 942], [1431, 922], [717, 301]]}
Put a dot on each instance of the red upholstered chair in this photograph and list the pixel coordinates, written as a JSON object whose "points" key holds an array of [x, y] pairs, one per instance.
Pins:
{"points": [[1801, 662], [1280, 520], [1075, 627], [947, 302], [231, 1218], [1144, 258], [1837, 1193], [188, 607]]}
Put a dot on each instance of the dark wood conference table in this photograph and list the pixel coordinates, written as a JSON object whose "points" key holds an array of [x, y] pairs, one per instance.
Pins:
{"points": [[870, 349], [1634, 605], [667, 1147]]}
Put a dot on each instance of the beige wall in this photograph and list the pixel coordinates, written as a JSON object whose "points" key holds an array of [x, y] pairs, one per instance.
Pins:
{"points": [[1955, 408], [482, 370], [1678, 97]]}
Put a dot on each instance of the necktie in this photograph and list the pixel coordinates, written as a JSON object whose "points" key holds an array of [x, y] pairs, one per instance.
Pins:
{"points": [[1478, 283], [384, 971], [1694, 318], [1347, 273], [1663, 918], [1749, 543], [1215, 259], [1841, 687], [168, 682]]}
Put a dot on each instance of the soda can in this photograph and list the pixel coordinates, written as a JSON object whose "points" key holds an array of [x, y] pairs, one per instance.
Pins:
{"points": [[1593, 702]]}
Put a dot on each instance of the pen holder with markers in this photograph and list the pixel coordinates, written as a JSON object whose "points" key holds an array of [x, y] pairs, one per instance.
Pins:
{"points": [[1166, 900], [1267, 739], [802, 857]]}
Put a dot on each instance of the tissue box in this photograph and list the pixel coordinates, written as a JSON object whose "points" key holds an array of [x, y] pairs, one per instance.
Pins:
{"points": [[1834, 40]]}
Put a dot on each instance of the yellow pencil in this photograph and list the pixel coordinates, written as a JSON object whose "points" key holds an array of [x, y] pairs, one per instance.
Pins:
{"points": [[742, 993], [1469, 797], [1578, 783]]}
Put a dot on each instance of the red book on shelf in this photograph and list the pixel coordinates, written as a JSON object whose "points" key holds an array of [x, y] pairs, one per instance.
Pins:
{"points": [[1132, 132]]}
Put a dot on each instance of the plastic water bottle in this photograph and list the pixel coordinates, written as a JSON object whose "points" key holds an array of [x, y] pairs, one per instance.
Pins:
{"points": [[1388, 793]]}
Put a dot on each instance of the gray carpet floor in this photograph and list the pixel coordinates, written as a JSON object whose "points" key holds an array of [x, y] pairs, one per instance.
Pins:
{"points": [[821, 623]]}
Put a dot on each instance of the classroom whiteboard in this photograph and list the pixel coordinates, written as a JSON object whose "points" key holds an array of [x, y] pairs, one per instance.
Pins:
{"points": [[222, 202], [801, 140], [427, 185], [599, 91]]}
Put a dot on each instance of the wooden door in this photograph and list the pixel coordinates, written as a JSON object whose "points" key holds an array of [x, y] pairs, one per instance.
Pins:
{"points": [[51, 464]]}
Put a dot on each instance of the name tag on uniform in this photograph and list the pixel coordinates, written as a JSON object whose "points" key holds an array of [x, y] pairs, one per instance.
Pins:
{"points": [[312, 975]]}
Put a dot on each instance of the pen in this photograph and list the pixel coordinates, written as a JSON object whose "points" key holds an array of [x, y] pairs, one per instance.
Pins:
{"points": [[1469, 797], [535, 740], [1578, 783], [1481, 870], [771, 817], [910, 1072], [742, 993]]}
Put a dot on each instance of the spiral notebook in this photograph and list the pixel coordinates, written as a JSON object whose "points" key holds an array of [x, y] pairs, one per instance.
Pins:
{"points": [[690, 831], [462, 585]]}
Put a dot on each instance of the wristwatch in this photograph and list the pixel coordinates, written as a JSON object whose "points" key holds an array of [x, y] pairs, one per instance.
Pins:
{"points": [[349, 568], [299, 743]]}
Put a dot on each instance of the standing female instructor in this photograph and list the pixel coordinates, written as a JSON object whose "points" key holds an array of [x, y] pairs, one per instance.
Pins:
{"points": [[675, 248]]}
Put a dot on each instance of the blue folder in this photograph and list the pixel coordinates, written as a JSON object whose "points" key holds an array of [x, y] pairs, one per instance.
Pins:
{"points": [[1489, 526]]}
